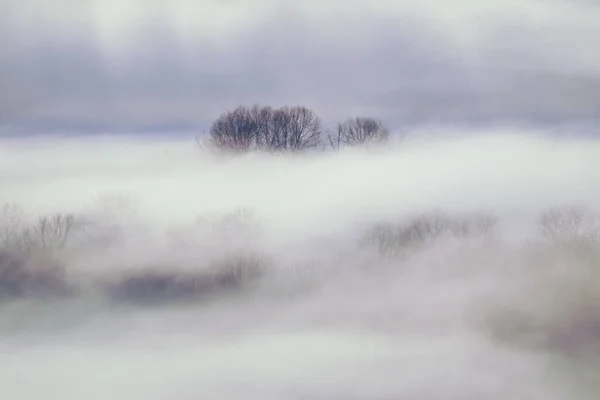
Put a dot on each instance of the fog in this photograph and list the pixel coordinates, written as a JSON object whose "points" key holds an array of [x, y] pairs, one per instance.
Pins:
{"points": [[495, 315]]}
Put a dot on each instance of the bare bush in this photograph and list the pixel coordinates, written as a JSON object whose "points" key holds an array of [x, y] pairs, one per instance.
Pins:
{"points": [[28, 276], [11, 226], [476, 224], [428, 228], [424, 228], [359, 131], [165, 284], [570, 225], [51, 232], [27, 263], [238, 269], [157, 285]]}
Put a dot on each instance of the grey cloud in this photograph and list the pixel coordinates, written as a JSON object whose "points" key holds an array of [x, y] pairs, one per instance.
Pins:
{"points": [[402, 70], [510, 97]]}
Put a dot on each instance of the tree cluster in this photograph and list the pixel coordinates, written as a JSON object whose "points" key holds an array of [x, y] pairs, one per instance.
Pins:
{"points": [[287, 129], [359, 131]]}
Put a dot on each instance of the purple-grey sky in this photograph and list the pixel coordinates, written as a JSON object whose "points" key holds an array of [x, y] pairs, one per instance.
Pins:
{"points": [[134, 63]]}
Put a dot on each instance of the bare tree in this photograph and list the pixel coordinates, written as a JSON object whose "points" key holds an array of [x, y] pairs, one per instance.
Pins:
{"points": [[264, 120], [10, 225], [48, 232], [236, 131], [567, 224], [359, 131], [53, 231], [264, 128], [295, 129]]}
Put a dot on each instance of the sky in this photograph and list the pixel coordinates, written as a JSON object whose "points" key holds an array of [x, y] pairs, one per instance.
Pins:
{"points": [[156, 65]]}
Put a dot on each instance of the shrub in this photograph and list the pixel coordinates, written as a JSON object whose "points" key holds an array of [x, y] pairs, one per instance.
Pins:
{"points": [[570, 224], [28, 276], [391, 238], [165, 284]]}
